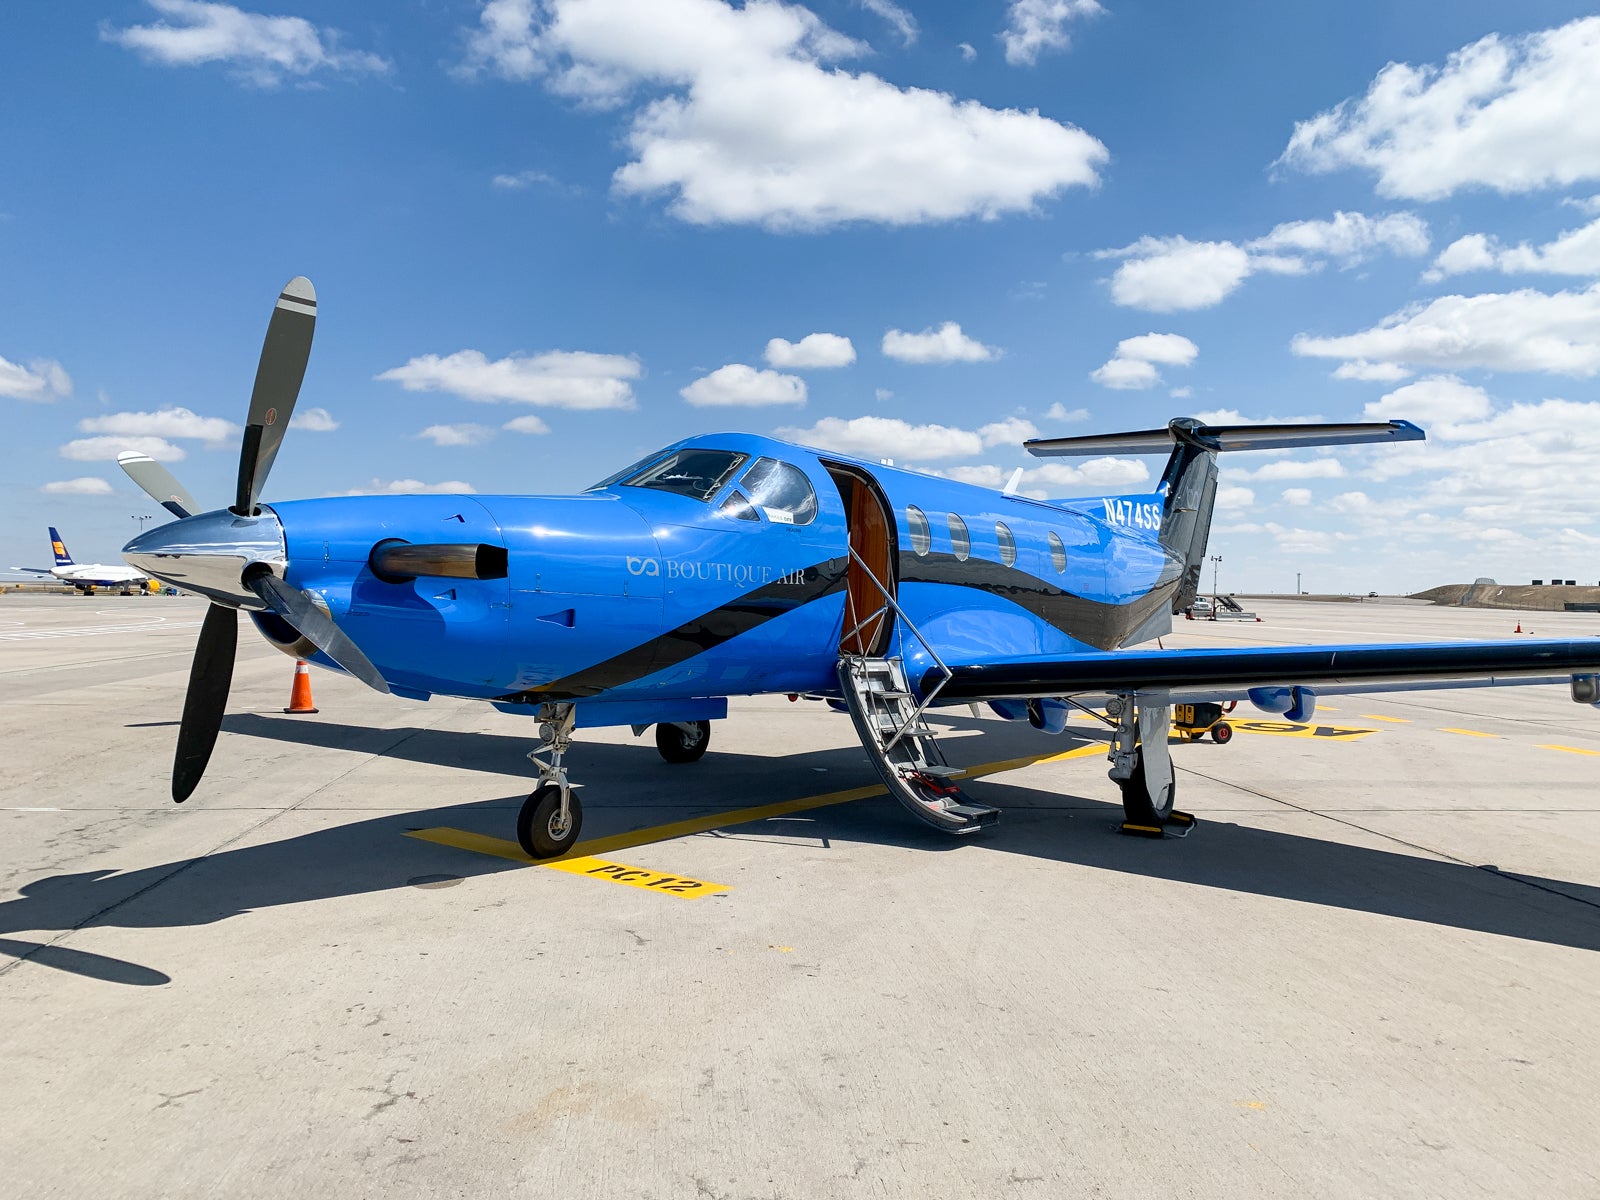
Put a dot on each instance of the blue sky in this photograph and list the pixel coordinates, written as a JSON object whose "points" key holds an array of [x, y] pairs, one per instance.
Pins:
{"points": [[549, 236]]}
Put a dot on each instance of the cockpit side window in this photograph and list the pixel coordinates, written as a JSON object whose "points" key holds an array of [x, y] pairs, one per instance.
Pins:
{"points": [[781, 491], [694, 472]]}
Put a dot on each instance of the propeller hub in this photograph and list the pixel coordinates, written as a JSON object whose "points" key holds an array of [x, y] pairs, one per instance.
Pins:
{"points": [[210, 554]]}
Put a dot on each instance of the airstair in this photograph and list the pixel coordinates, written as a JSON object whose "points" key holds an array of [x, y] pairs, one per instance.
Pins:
{"points": [[889, 721]]}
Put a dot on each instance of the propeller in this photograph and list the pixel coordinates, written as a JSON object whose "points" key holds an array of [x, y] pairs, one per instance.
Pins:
{"points": [[284, 355], [279, 373], [158, 483]]}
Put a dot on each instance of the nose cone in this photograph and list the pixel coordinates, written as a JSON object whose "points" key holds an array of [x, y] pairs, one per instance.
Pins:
{"points": [[208, 553]]}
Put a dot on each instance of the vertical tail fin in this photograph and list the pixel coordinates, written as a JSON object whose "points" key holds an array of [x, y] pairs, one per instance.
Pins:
{"points": [[1190, 479], [63, 559]]}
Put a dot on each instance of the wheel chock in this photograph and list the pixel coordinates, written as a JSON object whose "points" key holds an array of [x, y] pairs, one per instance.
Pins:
{"points": [[1178, 825]]}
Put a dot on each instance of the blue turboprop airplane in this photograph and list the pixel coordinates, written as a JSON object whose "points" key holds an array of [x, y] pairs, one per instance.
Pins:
{"points": [[734, 565]]}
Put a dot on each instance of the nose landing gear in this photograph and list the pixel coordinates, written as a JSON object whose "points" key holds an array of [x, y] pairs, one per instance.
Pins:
{"points": [[552, 815]]}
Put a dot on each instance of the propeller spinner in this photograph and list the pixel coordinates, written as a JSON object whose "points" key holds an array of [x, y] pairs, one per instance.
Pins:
{"points": [[236, 557]]}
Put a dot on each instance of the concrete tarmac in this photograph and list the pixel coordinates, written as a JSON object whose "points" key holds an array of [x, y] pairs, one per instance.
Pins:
{"points": [[1373, 969]]}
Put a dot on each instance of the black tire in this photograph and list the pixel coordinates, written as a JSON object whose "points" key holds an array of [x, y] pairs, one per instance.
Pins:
{"points": [[680, 745], [1136, 806], [538, 827], [1222, 733]]}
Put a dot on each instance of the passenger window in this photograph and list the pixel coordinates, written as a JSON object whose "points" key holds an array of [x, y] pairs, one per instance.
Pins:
{"points": [[1058, 552], [921, 535], [1008, 544], [696, 473], [960, 543], [738, 507], [781, 491]]}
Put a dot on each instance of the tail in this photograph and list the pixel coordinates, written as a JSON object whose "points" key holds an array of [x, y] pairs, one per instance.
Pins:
{"points": [[1190, 480], [63, 559]]}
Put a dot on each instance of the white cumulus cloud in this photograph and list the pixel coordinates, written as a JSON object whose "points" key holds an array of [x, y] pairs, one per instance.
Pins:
{"points": [[815, 350], [261, 49], [106, 449], [738, 385], [1012, 431], [902, 22], [1135, 364], [886, 437], [1508, 113], [1575, 252], [42, 380], [1172, 274], [466, 434], [1511, 331], [749, 122], [575, 379], [1060, 412], [1297, 497], [313, 420], [528, 424], [84, 485], [945, 344], [165, 423], [1035, 26], [1370, 372]]}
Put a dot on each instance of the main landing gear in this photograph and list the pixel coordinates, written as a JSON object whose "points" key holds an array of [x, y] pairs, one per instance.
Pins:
{"points": [[552, 815], [683, 741], [1141, 767]]}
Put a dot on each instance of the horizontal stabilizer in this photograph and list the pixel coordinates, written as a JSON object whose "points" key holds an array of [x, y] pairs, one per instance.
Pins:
{"points": [[1226, 437]]}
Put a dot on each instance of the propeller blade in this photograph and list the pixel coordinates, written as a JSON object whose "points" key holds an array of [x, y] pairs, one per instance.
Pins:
{"points": [[297, 608], [207, 699], [158, 483], [283, 365]]}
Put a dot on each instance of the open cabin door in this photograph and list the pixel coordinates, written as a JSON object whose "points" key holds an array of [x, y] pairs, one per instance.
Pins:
{"points": [[868, 620]]}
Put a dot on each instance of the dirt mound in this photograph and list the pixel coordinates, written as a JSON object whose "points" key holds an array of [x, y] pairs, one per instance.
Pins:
{"points": [[1510, 595]]}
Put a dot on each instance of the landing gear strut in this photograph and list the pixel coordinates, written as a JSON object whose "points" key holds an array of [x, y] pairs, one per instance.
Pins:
{"points": [[552, 815], [1140, 765]]}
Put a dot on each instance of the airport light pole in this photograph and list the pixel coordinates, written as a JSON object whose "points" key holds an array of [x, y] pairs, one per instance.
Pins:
{"points": [[1297, 583], [142, 518], [1216, 565]]}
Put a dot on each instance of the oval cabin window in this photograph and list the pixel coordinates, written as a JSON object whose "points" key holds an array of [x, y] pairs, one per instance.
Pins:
{"points": [[1058, 552], [921, 534], [960, 543], [1007, 543]]}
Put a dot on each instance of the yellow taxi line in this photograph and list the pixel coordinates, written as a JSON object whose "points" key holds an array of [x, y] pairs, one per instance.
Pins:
{"points": [[1467, 732], [481, 843], [1571, 750], [1390, 720]]}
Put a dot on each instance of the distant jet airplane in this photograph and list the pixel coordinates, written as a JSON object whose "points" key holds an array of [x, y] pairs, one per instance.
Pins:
{"points": [[86, 576], [733, 565]]}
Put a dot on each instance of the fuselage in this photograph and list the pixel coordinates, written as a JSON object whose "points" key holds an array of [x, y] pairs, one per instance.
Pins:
{"points": [[719, 566]]}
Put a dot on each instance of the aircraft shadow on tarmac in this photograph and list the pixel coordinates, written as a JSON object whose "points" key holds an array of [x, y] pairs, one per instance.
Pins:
{"points": [[370, 855]]}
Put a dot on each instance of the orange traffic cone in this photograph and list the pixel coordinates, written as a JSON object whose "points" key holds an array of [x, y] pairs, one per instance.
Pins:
{"points": [[300, 693], [1518, 628]]}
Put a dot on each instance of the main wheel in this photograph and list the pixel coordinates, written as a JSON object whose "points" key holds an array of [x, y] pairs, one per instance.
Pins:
{"points": [[685, 743], [1136, 806], [540, 830], [1222, 733]]}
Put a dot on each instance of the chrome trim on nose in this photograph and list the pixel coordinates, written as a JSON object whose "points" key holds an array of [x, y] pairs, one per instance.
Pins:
{"points": [[209, 554]]}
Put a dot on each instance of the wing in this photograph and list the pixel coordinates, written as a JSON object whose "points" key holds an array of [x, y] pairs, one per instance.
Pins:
{"points": [[1210, 673]]}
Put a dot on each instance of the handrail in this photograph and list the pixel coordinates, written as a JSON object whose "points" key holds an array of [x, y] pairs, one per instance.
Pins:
{"points": [[893, 605]]}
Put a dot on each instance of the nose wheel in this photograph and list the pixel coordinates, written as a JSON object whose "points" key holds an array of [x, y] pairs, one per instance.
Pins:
{"points": [[547, 827], [552, 815]]}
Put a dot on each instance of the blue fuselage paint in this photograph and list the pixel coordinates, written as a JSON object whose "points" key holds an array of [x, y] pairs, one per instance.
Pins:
{"points": [[628, 594]]}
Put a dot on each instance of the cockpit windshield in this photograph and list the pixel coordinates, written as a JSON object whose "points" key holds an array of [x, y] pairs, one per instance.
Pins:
{"points": [[691, 472]]}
